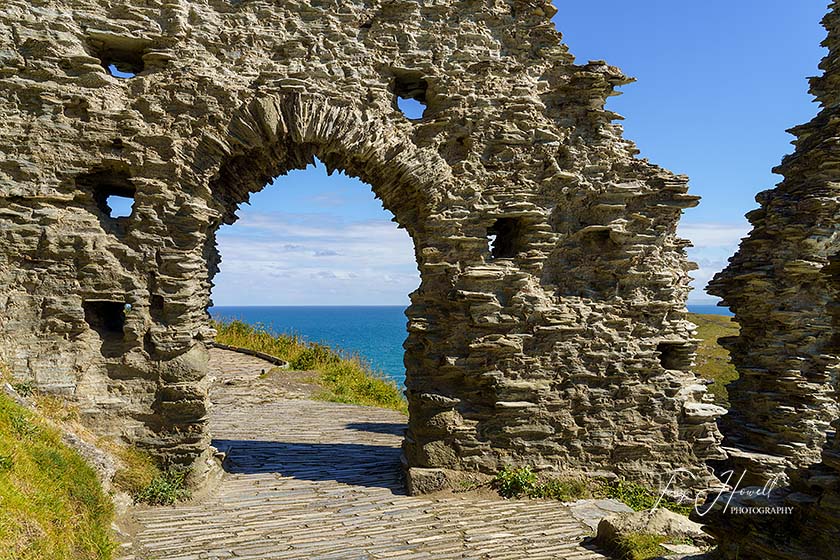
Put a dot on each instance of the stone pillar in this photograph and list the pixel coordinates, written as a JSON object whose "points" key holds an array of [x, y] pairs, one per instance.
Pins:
{"points": [[783, 286]]}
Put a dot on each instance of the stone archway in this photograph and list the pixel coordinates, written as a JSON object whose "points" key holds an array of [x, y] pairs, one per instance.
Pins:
{"points": [[563, 345], [276, 134]]}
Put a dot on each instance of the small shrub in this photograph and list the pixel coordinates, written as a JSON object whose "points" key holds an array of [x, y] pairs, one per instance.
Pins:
{"points": [[141, 477], [6, 462], [24, 389], [565, 490], [165, 489], [513, 483], [523, 481]]}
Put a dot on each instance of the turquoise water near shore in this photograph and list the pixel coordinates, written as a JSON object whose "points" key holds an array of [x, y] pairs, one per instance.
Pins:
{"points": [[710, 310], [376, 333]]}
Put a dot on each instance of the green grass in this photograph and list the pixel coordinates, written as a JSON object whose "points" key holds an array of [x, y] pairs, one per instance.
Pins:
{"points": [[641, 498], [712, 359], [167, 488], [523, 481], [345, 379], [51, 504], [638, 546]]}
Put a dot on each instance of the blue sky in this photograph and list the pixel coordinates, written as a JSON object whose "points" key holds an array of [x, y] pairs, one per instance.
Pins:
{"points": [[719, 82]]}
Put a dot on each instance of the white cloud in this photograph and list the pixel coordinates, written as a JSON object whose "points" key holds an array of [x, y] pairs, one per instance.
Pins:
{"points": [[713, 243], [314, 259], [328, 200], [708, 235]]}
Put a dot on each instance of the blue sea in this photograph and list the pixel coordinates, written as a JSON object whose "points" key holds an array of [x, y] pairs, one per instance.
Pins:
{"points": [[375, 333]]}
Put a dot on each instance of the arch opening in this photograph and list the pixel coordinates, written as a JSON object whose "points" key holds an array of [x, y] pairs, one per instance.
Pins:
{"points": [[488, 344], [314, 229], [313, 255]]}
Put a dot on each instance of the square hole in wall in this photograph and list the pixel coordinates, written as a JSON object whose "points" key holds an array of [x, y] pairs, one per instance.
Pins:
{"points": [[675, 355], [106, 317], [114, 196], [121, 56], [410, 93], [504, 238]]}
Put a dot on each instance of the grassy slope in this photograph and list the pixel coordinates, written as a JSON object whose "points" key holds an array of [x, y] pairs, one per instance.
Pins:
{"points": [[712, 359], [51, 504], [345, 379]]}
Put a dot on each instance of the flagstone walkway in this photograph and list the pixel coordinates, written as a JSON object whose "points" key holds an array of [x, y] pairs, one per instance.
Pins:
{"points": [[315, 480]]}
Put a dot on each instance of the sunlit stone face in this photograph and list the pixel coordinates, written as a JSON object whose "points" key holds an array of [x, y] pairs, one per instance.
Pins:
{"points": [[549, 324]]}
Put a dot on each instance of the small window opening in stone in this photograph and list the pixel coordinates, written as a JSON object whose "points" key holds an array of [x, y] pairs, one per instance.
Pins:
{"points": [[675, 355], [121, 56], [600, 238], [410, 91], [156, 308], [505, 238], [106, 317], [112, 194]]}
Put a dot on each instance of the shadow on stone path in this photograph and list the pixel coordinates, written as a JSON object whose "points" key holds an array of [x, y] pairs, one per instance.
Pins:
{"points": [[348, 463], [393, 428], [317, 480]]}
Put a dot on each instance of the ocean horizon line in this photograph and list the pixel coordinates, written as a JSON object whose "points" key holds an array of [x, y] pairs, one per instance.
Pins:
{"points": [[690, 303], [313, 305]]}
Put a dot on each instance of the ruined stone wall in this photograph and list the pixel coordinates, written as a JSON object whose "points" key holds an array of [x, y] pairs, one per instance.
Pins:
{"points": [[564, 345], [783, 286]]}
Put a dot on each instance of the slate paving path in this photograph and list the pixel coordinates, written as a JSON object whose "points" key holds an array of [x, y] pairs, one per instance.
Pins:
{"points": [[308, 479]]}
